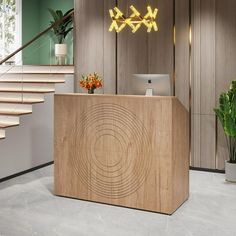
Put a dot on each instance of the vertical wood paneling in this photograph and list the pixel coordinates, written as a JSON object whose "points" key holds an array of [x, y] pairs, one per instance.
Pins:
{"points": [[203, 89], [207, 56], [182, 63], [208, 127], [225, 62], [109, 45], [196, 140], [142, 52], [208, 133], [95, 47], [160, 44], [195, 84], [132, 49]]}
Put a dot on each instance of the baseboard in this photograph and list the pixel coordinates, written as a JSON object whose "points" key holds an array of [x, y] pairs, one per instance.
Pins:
{"points": [[25, 171], [207, 170]]}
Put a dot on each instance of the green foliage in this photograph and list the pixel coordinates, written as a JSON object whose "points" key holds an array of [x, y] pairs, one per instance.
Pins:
{"points": [[61, 29], [226, 113]]}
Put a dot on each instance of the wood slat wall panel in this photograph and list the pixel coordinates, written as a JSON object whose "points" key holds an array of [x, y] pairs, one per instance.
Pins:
{"points": [[142, 52], [208, 134], [182, 62], [225, 62], [195, 84], [132, 54], [207, 51], [196, 140], [95, 47], [160, 44], [203, 81]]}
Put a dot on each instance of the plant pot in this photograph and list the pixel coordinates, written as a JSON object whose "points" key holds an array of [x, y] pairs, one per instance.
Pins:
{"points": [[230, 171], [61, 53]]}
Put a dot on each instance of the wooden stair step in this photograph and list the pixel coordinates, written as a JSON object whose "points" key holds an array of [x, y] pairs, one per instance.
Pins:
{"points": [[34, 81], [14, 112], [2, 134], [5, 125], [15, 109], [9, 121], [38, 69], [21, 98], [26, 90], [28, 101]]}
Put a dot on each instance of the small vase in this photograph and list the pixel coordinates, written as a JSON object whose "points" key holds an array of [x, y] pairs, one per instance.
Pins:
{"points": [[91, 91]]}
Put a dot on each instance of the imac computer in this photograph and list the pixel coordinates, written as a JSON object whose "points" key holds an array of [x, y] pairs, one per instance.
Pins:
{"points": [[151, 85]]}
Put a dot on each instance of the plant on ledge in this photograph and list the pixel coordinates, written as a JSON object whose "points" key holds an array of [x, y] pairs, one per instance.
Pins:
{"points": [[61, 29], [226, 113], [91, 82]]}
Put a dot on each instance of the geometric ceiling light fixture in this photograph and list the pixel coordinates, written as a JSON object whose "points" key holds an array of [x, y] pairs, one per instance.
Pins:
{"points": [[134, 21]]}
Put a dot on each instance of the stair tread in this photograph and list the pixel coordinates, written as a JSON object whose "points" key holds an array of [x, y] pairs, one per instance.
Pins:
{"points": [[14, 112], [27, 90], [24, 101], [52, 81], [8, 124], [37, 69]]}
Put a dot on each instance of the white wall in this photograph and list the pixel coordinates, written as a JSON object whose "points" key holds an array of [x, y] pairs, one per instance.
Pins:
{"points": [[31, 144]]}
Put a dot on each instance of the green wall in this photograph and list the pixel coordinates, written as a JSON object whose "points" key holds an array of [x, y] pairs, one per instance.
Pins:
{"points": [[35, 19], [30, 28]]}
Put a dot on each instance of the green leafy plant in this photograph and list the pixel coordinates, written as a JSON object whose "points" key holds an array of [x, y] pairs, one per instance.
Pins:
{"points": [[61, 29], [226, 113]]}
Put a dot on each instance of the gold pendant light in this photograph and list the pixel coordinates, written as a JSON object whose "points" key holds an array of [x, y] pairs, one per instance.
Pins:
{"points": [[134, 21]]}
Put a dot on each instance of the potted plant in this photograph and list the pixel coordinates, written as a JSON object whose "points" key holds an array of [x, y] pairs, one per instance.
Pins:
{"points": [[226, 113], [61, 31]]}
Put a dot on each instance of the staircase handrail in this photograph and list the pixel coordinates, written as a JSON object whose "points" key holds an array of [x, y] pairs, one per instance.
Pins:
{"points": [[36, 37]]}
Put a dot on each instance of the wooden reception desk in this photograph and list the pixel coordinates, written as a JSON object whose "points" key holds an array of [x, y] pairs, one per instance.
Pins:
{"points": [[130, 151]]}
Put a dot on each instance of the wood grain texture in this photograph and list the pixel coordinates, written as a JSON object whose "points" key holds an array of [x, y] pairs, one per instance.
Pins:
{"points": [[182, 52], [95, 47], [214, 56], [196, 84], [132, 49], [204, 84], [196, 140], [129, 151], [207, 51], [208, 141], [161, 43], [143, 53], [225, 63], [196, 57]]}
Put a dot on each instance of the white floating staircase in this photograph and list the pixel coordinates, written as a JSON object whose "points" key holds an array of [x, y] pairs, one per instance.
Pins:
{"points": [[23, 86]]}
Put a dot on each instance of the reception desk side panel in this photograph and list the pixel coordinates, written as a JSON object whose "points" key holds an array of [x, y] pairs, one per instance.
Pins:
{"points": [[181, 154]]}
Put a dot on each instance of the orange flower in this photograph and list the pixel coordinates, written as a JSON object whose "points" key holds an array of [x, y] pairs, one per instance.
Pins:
{"points": [[91, 81]]}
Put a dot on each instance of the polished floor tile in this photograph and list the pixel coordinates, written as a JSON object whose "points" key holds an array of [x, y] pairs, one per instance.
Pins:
{"points": [[28, 207]]}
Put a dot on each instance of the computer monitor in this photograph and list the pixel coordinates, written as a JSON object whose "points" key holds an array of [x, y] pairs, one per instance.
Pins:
{"points": [[151, 84]]}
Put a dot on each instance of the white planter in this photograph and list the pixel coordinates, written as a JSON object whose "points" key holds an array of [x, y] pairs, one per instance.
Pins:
{"points": [[230, 172], [61, 53], [60, 50]]}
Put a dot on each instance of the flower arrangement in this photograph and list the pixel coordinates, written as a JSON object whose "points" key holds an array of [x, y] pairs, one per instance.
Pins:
{"points": [[91, 82]]}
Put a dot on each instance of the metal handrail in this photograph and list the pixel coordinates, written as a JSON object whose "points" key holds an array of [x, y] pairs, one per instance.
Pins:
{"points": [[36, 37]]}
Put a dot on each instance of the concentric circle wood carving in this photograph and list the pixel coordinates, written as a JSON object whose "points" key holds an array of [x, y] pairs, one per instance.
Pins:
{"points": [[113, 150]]}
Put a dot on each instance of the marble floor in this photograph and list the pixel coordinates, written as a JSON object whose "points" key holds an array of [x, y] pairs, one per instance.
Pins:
{"points": [[28, 207]]}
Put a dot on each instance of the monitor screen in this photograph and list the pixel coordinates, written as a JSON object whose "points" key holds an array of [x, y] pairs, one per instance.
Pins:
{"points": [[151, 85]]}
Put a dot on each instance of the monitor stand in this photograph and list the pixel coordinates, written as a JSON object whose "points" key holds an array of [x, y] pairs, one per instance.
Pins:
{"points": [[149, 92]]}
